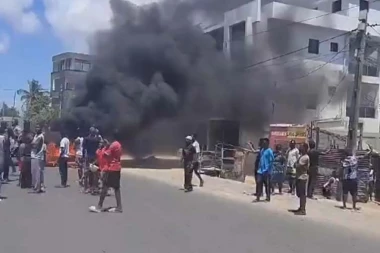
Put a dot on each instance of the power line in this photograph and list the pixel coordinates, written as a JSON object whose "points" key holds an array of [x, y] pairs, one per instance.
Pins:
{"points": [[299, 22], [296, 60], [322, 65], [295, 51], [333, 95]]}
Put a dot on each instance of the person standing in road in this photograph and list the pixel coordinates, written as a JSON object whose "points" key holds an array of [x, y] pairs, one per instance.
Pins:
{"points": [[79, 158], [90, 145], [63, 159], [111, 175], [8, 136], [313, 154], [197, 163], [257, 160], [292, 156], [37, 160], [350, 177], [264, 171], [189, 155], [302, 168], [2, 139], [278, 173]]}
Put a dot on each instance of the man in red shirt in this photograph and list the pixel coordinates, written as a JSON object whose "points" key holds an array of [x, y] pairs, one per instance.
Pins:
{"points": [[111, 176]]}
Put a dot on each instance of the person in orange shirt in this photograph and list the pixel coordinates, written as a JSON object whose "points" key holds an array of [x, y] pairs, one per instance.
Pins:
{"points": [[101, 161], [111, 174]]}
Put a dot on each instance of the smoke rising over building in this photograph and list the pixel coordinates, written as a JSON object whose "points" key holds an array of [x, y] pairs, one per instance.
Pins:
{"points": [[157, 76]]}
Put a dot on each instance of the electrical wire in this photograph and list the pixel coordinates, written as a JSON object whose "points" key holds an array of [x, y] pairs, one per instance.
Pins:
{"points": [[333, 95], [295, 60], [296, 51]]}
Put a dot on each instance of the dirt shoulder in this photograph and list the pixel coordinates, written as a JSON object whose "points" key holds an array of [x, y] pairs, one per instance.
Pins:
{"points": [[367, 220]]}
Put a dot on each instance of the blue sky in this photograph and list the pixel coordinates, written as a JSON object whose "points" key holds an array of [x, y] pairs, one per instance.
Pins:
{"points": [[32, 31], [28, 57]]}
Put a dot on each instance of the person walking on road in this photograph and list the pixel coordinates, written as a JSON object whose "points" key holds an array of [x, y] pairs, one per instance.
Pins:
{"points": [[197, 163], [264, 171], [111, 175], [37, 160], [189, 156], [63, 160]]}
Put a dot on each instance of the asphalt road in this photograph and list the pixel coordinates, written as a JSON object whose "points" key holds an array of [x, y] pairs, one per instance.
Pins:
{"points": [[159, 218]]}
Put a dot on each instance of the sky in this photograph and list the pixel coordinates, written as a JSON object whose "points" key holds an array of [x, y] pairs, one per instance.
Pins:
{"points": [[32, 31]]}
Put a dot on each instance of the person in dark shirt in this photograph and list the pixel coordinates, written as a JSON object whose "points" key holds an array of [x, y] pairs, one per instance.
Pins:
{"points": [[90, 146], [313, 154], [189, 157], [257, 161]]}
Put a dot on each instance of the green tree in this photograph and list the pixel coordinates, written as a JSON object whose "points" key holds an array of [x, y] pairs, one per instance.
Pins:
{"points": [[37, 104], [30, 97]]}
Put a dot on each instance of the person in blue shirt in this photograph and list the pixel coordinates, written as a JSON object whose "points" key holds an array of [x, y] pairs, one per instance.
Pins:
{"points": [[264, 171]]}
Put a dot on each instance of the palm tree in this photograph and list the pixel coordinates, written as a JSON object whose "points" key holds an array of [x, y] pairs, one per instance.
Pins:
{"points": [[28, 97]]}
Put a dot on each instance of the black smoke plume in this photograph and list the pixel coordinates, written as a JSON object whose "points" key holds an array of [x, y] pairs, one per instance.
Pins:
{"points": [[158, 77], [155, 67]]}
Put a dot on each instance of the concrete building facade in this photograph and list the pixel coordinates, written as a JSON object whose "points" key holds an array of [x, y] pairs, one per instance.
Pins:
{"points": [[315, 39], [67, 77]]}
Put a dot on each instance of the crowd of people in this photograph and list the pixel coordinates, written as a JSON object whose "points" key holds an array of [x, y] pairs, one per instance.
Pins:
{"points": [[299, 167], [98, 160]]}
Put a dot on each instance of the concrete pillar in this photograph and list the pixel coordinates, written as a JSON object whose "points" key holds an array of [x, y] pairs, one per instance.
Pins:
{"points": [[248, 33], [227, 41]]}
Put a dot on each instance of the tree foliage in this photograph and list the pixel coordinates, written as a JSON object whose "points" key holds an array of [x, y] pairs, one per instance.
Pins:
{"points": [[37, 104]]}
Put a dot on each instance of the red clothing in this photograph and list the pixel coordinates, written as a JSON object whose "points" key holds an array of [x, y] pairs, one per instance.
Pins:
{"points": [[113, 154], [102, 162]]}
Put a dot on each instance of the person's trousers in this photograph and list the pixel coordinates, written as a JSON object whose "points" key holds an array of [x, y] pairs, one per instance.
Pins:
{"points": [[292, 183], [7, 163], [195, 169], [263, 180], [301, 193], [311, 185], [63, 170], [1, 171], [37, 167], [188, 172]]}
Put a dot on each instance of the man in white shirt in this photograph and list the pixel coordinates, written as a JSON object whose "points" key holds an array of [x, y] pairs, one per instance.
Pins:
{"points": [[79, 158], [63, 159], [196, 164], [37, 162]]}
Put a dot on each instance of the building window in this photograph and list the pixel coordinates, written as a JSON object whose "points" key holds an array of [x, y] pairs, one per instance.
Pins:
{"points": [[336, 6], [313, 46], [61, 65], [67, 64], [81, 65], [334, 47], [69, 86], [55, 67]]}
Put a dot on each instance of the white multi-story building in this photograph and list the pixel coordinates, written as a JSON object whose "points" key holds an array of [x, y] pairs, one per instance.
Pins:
{"points": [[307, 45]]}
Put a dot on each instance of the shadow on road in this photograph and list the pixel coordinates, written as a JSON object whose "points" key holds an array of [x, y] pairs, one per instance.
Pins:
{"points": [[151, 162]]}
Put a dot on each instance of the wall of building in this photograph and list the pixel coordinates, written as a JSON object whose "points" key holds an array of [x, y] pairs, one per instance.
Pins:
{"points": [[68, 76]]}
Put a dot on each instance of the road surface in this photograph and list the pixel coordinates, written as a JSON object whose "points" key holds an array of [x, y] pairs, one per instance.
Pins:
{"points": [[159, 218]]}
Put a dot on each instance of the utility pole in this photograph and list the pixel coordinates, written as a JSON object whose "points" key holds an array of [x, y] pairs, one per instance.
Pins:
{"points": [[352, 141]]}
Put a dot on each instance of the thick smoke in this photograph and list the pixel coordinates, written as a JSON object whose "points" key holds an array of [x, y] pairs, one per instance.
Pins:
{"points": [[157, 77], [155, 65]]}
